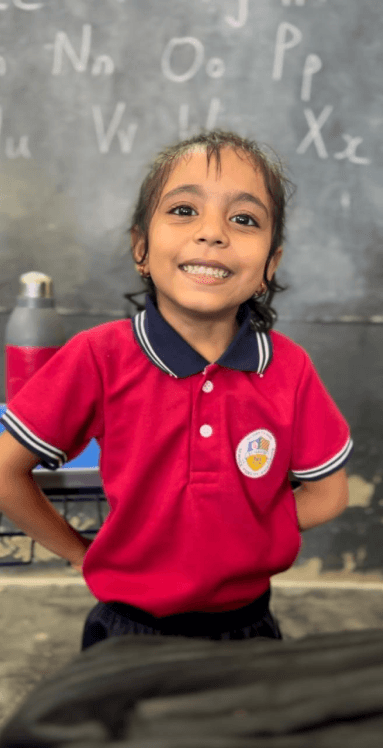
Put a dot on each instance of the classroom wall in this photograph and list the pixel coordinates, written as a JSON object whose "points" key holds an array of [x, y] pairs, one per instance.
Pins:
{"points": [[92, 91]]}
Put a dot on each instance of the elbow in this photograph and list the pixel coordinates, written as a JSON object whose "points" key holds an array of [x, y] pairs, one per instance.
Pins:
{"points": [[342, 490], [345, 492]]}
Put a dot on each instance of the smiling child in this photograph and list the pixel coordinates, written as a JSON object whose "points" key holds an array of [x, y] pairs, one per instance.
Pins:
{"points": [[202, 413]]}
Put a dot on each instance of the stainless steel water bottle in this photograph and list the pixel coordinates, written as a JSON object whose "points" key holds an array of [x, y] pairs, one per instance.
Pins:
{"points": [[33, 333]]}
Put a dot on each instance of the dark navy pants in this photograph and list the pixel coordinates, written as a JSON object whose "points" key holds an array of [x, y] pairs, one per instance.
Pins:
{"points": [[116, 619]]}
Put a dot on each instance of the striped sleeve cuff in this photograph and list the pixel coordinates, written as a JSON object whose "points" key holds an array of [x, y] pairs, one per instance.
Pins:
{"points": [[331, 466], [51, 457]]}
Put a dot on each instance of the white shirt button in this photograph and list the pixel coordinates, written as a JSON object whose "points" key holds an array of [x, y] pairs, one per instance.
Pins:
{"points": [[208, 386], [206, 430]]}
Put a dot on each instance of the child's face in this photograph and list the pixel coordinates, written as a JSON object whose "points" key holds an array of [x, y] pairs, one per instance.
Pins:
{"points": [[216, 226]]}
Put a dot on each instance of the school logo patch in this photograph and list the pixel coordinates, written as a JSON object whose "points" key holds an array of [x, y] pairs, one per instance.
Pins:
{"points": [[255, 453]]}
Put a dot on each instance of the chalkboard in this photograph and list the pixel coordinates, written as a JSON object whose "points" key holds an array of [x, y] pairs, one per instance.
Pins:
{"points": [[91, 91]]}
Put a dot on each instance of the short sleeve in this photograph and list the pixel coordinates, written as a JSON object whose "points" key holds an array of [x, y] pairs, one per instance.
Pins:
{"points": [[321, 439], [59, 410]]}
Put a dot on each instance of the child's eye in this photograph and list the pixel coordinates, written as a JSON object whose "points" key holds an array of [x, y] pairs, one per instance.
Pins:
{"points": [[240, 215], [187, 207], [244, 215]]}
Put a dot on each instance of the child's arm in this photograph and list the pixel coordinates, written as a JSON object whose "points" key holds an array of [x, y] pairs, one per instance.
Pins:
{"points": [[320, 501], [22, 500]]}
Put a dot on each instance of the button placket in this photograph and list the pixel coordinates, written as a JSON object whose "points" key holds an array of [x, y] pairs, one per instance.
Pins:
{"points": [[206, 430], [205, 462]]}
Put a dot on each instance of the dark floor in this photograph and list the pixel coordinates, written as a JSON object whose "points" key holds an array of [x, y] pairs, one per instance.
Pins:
{"points": [[41, 626]]}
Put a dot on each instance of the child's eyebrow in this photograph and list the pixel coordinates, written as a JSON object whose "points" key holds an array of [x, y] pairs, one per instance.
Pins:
{"points": [[233, 196]]}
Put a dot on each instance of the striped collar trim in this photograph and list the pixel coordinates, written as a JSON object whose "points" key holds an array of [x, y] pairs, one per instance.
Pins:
{"points": [[166, 349], [264, 351]]}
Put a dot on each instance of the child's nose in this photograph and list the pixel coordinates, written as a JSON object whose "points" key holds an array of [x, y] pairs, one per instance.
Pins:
{"points": [[212, 227]]}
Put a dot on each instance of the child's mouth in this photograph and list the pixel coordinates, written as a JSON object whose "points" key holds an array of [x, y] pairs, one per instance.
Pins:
{"points": [[207, 276]]}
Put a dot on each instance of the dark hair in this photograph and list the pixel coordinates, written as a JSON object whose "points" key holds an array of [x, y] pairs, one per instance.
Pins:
{"points": [[278, 185]]}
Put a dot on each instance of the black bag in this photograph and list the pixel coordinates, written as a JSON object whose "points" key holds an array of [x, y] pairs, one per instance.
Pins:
{"points": [[321, 691]]}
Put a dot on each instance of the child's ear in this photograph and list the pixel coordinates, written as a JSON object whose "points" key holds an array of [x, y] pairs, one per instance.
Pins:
{"points": [[274, 262], [138, 243]]}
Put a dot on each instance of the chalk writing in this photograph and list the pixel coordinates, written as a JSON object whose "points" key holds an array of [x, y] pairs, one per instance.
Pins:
{"points": [[196, 64], [283, 43], [183, 118], [243, 10], [105, 137], [62, 44], [215, 67], [314, 135], [312, 65], [292, 2], [126, 138], [103, 64], [345, 200], [22, 5], [13, 151], [212, 114], [27, 6], [350, 150]]}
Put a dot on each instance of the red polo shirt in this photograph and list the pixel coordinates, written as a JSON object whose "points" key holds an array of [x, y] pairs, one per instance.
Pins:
{"points": [[194, 457]]}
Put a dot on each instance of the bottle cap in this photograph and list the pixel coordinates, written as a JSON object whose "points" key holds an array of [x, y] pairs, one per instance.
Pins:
{"points": [[36, 285]]}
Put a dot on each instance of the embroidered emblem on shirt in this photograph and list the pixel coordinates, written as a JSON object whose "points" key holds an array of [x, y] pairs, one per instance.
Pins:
{"points": [[255, 453]]}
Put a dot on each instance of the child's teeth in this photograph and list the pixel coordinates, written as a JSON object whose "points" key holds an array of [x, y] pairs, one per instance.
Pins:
{"points": [[201, 269]]}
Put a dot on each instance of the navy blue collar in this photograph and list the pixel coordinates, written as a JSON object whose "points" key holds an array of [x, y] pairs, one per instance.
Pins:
{"points": [[248, 351]]}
